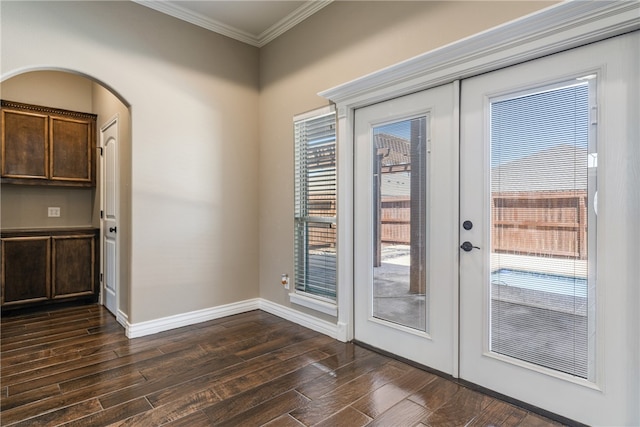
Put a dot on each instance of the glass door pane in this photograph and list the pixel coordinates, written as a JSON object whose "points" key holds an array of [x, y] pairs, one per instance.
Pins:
{"points": [[540, 193], [400, 222]]}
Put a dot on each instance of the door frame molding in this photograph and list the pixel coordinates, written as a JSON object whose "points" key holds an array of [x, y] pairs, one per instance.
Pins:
{"points": [[557, 28]]}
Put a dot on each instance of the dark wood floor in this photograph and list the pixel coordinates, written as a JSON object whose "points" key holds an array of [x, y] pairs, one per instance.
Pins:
{"points": [[75, 367]]}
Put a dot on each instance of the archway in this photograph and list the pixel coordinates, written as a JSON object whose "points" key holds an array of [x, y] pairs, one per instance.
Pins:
{"points": [[24, 206]]}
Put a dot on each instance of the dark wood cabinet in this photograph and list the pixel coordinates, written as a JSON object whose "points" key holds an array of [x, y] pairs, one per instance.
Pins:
{"points": [[43, 266], [72, 146], [47, 146], [26, 267], [25, 145], [73, 265]]}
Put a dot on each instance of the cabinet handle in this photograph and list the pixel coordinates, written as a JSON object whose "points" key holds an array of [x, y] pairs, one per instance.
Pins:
{"points": [[113, 229]]}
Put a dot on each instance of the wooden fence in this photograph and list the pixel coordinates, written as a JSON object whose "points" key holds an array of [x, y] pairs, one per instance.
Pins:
{"points": [[540, 223], [533, 223], [395, 218]]}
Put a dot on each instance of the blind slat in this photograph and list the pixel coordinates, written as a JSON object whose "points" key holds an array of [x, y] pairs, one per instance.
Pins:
{"points": [[539, 187], [315, 205]]}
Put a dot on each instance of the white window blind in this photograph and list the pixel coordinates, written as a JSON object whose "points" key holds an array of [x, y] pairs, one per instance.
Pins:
{"points": [[543, 228], [315, 203]]}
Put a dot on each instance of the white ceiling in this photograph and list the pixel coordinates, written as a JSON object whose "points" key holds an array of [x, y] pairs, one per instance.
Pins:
{"points": [[252, 22]]}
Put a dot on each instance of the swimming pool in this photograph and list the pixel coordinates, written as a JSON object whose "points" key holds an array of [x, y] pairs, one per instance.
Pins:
{"points": [[564, 285]]}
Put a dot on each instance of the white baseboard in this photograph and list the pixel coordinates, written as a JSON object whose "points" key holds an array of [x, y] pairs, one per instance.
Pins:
{"points": [[122, 318], [302, 319], [136, 330]]}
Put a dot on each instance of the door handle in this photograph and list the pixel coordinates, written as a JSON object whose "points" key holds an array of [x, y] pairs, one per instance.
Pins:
{"points": [[113, 229], [468, 246]]}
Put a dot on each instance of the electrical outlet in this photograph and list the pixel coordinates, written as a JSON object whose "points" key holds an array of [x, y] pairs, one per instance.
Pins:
{"points": [[285, 280], [53, 212]]}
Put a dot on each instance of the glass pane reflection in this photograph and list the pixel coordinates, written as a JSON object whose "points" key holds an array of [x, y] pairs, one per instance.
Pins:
{"points": [[400, 219]]}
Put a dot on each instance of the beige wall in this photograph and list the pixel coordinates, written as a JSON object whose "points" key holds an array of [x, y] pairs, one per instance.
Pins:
{"points": [[26, 207], [193, 96], [342, 42], [49, 88]]}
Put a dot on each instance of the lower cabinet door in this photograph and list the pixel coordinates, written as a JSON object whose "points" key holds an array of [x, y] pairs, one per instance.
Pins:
{"points": [[73, 268], [25, 269]]}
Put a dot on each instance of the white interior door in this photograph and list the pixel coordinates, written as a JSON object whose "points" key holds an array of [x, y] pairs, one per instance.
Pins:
{"points": [[405, 225], [109, 139], [543, 279]]}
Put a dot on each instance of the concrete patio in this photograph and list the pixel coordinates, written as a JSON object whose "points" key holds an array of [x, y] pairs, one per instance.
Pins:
{"points": [[544, 328]]}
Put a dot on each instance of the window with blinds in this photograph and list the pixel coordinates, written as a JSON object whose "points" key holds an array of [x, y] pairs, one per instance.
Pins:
{"points": [[543, 227], [315, 203]]}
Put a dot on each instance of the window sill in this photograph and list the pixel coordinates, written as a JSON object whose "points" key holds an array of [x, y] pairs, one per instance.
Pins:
{"points": [[314, 303]]}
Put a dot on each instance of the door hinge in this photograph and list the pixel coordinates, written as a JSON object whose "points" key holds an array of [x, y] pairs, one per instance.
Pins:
{"points": [[101, 276], [100, 148], [101, 214]]}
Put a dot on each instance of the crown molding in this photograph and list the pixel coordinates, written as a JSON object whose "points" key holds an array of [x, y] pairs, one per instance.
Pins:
{"points": [[183, 14], [291, 20], [560, 27], [288, 22]]}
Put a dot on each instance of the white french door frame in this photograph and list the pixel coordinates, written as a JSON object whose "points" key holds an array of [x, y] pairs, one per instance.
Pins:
{"points": [[558, 28]]}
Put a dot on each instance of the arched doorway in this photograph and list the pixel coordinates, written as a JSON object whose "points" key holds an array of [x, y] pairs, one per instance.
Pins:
{"points": [[25, 207]]}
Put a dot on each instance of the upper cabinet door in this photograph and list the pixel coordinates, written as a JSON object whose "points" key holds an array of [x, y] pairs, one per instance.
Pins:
{"points": [[25, 146], [71, 149], [47, 146]]}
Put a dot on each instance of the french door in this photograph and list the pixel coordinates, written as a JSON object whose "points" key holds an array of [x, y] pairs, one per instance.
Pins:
{"points": [[503, 257], [541, 168], [405, 252]]}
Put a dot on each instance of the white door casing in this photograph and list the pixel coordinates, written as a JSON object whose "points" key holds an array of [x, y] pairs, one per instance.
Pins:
{"points": [[109, 209], [602, 397], [429, 335]]}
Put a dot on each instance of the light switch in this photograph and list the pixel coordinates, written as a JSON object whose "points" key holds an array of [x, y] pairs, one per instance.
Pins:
{"points": [[53, 212]]}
